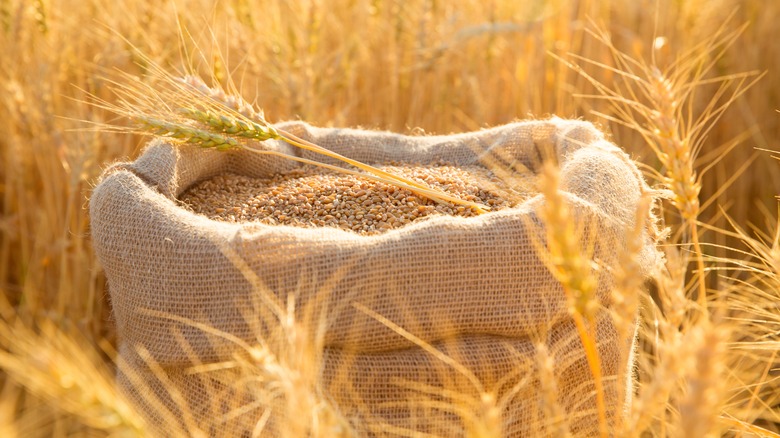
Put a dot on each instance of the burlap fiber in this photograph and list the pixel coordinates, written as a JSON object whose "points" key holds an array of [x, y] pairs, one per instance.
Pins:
{"points": [[474, 288]]}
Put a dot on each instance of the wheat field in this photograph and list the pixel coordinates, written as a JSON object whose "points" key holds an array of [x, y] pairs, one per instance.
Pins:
{"points": [[689, 89]]}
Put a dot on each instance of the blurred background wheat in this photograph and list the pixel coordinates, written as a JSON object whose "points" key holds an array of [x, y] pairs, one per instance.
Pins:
{"points": [[420, 66]]}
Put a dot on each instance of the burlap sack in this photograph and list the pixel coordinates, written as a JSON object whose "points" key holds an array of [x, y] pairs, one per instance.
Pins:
{"points": [[474, 288]]}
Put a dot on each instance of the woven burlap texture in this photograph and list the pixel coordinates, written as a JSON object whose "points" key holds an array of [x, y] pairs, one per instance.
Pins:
{"points": [[475, 288]]}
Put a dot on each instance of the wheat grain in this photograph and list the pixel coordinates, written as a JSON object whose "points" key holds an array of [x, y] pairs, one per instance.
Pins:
{"points": [[310, 196]]}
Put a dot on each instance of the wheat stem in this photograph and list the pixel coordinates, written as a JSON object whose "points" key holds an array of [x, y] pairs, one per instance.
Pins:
{"points": [[575, 273], [587, 333], [382, 175]]}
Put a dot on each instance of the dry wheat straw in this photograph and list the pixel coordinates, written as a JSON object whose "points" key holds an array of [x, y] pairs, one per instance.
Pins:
{"points": [[566, 260], [286, 360], [554, 417], [624, 303], [58, 368], [706, 386], [481, 415], [752, 309]]}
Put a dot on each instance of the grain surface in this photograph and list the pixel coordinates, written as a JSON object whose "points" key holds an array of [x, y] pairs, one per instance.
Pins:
{"points": [[314, 197]]}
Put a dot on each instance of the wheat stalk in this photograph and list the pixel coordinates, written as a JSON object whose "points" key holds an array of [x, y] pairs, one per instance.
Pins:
{"points": [[566, 260], [706, 388], [481, 414], [56, 367], [554, 414]]}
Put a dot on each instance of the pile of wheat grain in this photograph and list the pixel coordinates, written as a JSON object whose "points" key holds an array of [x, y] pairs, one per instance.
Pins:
{"points": [[314, 197]]}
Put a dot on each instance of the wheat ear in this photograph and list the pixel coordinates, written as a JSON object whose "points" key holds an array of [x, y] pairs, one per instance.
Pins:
{"points": [[567, 262]]}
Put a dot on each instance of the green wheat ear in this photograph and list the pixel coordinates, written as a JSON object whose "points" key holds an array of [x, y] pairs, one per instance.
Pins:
{"points": [[189, 134], [232, 125]]}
